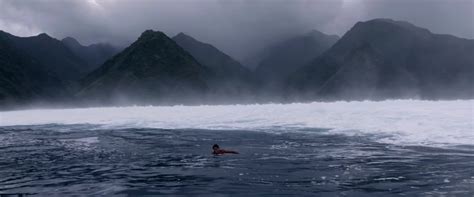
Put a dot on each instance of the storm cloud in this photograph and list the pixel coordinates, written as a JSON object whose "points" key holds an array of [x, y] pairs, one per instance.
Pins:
{"points": [[238, 27]]}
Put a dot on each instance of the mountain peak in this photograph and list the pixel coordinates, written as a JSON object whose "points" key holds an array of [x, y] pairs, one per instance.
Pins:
{"points": [[181, 34], [382, 32], [150, 34], [391, 21], [71, 41], [386, 22], [152, 67], [44, 35], [385, 58], [184, 37], [315, 32], [318, 34]]}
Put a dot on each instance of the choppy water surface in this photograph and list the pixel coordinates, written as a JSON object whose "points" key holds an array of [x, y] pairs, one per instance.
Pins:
{"points": [[81, 159], [401, 147]]}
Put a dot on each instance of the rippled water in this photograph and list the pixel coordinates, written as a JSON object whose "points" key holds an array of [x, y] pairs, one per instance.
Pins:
{"points": [[83, 159]]}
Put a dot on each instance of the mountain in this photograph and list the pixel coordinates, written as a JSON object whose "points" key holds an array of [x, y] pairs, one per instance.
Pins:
{"points": [[154, 69], [94, 55], [51, 53], [23, 78], [230, 76], [383, 58], [288, 56]]}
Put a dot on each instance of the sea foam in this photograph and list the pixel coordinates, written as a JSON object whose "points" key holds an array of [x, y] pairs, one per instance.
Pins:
{"points": [[406, 122]]}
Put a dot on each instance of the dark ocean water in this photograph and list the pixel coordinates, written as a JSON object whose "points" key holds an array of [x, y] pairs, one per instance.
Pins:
{"points": [[58, 160]]}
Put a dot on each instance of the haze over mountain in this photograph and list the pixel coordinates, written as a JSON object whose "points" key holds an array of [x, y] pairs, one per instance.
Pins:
{"points": [[50, 53], [376, 59], [94, 55], [154, 69], [43, 69], [241, 28], [288, 56], [23, 78], [383, 58], [230, 76]]}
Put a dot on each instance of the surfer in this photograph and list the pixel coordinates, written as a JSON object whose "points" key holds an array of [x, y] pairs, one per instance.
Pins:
{"points": [[218, 151]]}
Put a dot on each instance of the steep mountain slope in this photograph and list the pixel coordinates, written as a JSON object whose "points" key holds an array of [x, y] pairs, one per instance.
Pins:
{"points": [[230, 76], [383, 58], [154, 69], [94, 55], [50, 52], [23, 79]]}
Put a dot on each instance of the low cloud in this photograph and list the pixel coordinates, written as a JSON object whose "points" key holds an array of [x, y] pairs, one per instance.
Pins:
{"points": [[238, 27]]}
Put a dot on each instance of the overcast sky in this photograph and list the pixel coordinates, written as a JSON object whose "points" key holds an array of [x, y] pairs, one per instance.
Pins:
{"points": [[238, 27]]}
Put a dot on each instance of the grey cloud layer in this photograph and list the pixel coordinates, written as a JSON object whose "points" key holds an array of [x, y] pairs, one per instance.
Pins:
{"points": [[239, 27]]}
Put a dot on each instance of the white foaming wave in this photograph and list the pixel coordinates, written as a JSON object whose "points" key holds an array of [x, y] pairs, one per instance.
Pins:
{"points": [[396, 121]]}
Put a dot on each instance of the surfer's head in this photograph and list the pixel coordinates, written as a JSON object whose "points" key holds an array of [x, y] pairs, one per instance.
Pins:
{"points": [[215, 147]]}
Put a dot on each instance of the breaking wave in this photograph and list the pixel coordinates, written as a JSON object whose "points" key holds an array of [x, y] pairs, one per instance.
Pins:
{"points": [[405, 122]]}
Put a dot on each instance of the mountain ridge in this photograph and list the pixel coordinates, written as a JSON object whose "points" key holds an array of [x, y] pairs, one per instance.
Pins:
{"points": [[376, 59], [152, 68], [52, 54], [394, 60], [230, 76], [94, 55]]}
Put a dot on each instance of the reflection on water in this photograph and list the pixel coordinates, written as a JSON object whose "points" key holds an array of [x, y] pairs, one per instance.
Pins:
{"points": [[78, 159]]}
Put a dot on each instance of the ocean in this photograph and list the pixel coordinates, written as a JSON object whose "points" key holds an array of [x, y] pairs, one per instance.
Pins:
{"points": [[364, 148]]}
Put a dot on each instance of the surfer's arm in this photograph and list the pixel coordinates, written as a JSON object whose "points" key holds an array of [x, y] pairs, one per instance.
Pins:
{"points": [[230, 151]]}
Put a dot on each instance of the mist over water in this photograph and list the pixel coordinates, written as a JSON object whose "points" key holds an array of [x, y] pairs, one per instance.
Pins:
{"points": [[136, 109], [408, 122]]}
